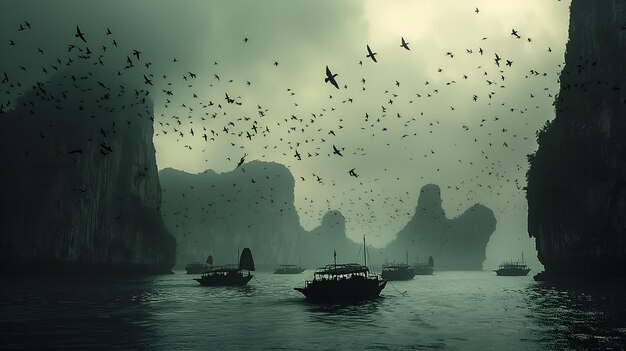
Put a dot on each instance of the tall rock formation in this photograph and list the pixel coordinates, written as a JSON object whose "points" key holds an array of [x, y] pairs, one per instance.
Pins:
{"points": [[456, 244], [318, 246], [251, 206], [79, 183], [577, 179]]}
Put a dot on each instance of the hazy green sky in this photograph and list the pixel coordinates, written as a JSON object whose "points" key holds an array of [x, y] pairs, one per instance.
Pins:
{"points": [[428, 133]]}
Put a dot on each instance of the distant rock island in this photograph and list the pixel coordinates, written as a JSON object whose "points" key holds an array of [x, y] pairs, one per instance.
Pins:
{"points": [[577, 179], [250, 206], [253, 206], [455, 244], [80, 190]]}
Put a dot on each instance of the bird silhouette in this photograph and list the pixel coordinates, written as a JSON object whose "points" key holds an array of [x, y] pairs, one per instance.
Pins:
{"points": [[404, 45], [330, 77], [371, 54], [80, 35]]}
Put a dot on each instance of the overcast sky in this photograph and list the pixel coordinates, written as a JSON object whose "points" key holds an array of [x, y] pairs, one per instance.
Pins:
{"points": [[428, 129]]}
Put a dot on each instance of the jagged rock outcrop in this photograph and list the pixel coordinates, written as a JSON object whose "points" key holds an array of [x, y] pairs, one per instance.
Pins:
{"points": [[456, 244], [577, 180], [79, 183], [251, 206], [316, 248]]}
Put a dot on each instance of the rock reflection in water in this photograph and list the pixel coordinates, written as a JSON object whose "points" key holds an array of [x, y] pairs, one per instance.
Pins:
{"points": [[65, 312], [579, 317]]}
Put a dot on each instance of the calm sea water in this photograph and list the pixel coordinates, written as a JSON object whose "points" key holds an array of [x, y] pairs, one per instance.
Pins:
{"points": [[446, 311]]}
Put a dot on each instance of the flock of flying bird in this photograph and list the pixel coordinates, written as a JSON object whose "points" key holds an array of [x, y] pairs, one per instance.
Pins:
{"points": [[208, 120]]}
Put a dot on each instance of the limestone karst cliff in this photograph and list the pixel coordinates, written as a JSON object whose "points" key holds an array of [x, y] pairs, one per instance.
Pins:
{"points": [[250, 206], [577, 179], [456, 244], [327, 239], [79, 183], [253, 206]]}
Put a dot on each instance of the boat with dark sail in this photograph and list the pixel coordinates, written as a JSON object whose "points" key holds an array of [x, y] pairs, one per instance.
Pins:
{"points": [[426, 268], [230, 275], [288, 269], [513, 268], [349, 282], [398, 271], [199, 267]]}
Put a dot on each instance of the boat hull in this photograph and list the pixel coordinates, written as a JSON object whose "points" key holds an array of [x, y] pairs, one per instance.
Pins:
{"points": [[342, 290], [508, 272], [220, 280]]}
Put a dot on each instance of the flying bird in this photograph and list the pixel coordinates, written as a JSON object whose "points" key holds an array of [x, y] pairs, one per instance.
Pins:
{"points": [[404, 45], [330, 77], [80, 34], [336, 151], [243, 159], [147, 80], [371, 54]]}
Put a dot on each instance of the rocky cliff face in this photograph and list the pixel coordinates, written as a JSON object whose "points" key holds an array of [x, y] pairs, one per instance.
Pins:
{"points": [[79, 183], [328, 238], [577, 180], [251, 206], [455, 244]]}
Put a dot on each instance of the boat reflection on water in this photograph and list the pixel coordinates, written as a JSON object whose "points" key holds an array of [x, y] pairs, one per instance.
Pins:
{"points": [[580, 316], [365, 311]]}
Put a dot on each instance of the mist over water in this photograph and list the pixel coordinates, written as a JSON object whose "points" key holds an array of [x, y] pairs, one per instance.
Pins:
{"points": [[448, 310]]}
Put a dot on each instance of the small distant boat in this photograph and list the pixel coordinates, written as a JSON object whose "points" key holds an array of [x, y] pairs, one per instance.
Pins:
{"points": [[196, 268], [199, 267], [513, 268], [425, 268], [230, 275], [288, 269], [350, 282], [398, 271]]}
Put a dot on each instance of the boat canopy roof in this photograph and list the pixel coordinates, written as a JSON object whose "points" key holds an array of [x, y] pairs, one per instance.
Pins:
{"points": [[513, 265], [340, 269]]}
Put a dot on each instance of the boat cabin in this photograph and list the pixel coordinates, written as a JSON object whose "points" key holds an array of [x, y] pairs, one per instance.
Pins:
{"points": [[341, 271]]}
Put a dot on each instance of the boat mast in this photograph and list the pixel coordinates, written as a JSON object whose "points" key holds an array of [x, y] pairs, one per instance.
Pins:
{"points": [[364, 252], [407, 258]]}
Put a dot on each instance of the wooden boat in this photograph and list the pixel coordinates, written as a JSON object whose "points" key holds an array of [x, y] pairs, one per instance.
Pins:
{"points": [[424, 268], [513, 268], [196, 268], [349, 282], [230, 275], [288, 269], [398, 271]]}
